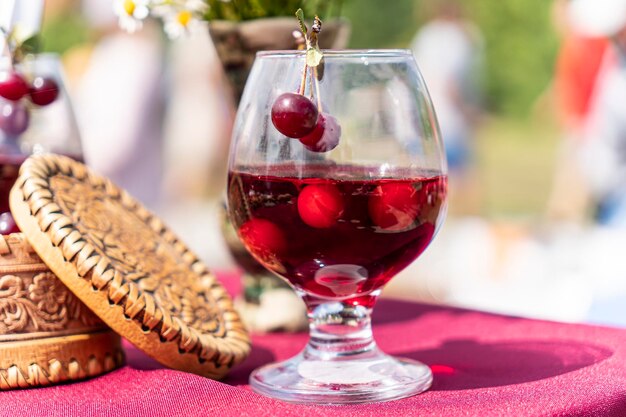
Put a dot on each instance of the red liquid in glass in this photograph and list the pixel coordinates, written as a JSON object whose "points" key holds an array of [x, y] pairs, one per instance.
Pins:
{"points": [[340, 239]]}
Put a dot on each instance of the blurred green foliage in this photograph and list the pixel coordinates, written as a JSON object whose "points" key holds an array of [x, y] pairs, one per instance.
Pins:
{"points": [[520, 44], [521, 47], [377, 25], [254, 9], [63, 31]]}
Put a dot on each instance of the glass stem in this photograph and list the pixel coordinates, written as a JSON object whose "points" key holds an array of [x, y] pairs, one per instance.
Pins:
{"points": [[338, 330]]}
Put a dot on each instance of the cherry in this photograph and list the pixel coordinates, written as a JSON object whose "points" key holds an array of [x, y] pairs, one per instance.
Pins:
{"points": [[320, 206], [43, 91], [7, 224], [316, 135], [263, 238], [294, 115], [12, 85], [394, 207], [14, 118], [325, 136]]}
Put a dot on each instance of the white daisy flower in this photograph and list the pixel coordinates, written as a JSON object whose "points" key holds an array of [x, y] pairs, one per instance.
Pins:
{"points": [[199, 7], [178, 23], [179, 17], [131, 13]]}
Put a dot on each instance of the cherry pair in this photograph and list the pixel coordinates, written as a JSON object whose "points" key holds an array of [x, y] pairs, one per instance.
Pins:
{"points": [[297, 117], [392, 207], [41, 92], [14, 115]]}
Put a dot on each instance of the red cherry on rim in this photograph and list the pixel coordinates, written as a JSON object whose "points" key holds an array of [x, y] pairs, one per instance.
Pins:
{"points": [[325, 136], [320, 206], [43, 91], [394, 206], [14, 118], [12, 85], [263, 238], [294, 115]]}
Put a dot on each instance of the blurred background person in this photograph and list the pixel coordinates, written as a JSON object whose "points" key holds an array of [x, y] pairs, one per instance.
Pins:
{"points": [[449, 51], [155, 114], [576, 71], [120, 105], [603, 148]]}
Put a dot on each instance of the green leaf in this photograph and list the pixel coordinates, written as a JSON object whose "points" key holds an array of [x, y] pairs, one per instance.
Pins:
{"points": [[313, 56], [31, 45], [303, 28]]}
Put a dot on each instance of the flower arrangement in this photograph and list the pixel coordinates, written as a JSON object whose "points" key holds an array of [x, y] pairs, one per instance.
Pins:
{"points": [[178, 16]]}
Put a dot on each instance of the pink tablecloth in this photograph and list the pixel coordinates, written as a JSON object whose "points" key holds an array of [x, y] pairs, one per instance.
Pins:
{"points": [[484, 365]]}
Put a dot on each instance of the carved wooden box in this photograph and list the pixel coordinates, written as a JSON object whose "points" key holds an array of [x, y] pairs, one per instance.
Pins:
{"points": [[47, 335], [103, 249]]}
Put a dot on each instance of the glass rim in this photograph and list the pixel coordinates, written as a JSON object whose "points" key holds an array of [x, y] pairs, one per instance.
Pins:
{"points": [[40, 56], [338, 53]]}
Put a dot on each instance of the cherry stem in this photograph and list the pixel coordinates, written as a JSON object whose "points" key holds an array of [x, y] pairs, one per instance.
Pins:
{"points": [[317, 90], [304, 30], [6, 48], [311, 88], [311, 43], [303, 81]]}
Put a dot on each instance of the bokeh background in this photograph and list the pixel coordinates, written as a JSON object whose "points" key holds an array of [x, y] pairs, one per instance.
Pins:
{"points": [[521, 236]]}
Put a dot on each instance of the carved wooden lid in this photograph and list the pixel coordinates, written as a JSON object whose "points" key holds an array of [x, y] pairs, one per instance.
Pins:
{"points": [[127, 266]]}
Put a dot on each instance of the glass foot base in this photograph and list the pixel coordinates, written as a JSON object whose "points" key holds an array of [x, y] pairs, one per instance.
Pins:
{"points": [[343, 380]]}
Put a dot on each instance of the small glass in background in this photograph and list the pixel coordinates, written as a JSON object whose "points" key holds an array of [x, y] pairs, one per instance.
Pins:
{"points": [[36, 116]]}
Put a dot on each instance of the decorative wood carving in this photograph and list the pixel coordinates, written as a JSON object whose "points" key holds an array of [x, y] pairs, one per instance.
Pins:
{"points": [[127, 267], [40, 303], [46, 334], [32, 299]]}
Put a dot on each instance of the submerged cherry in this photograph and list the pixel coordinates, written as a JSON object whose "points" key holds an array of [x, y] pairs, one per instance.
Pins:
{"points": [[14, 118], [7, 224], [43, 91], [394, 207], [12, 85], [263, 238], [325, 136], [294, 115], [320, 206]]}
